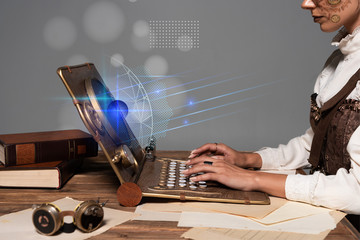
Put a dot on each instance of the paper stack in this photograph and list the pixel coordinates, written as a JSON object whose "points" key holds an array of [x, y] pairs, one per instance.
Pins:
{"points": [[281, 219]]}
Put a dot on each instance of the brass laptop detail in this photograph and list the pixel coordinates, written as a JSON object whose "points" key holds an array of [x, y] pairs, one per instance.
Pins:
{"points": [[139, 172]]}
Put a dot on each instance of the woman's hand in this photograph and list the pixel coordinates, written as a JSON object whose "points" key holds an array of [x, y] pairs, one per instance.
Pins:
{"points": [[215, 169], [223, 152], [222, 172]]}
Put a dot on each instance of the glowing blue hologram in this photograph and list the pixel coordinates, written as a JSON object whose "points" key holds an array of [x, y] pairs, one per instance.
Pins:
{"points": [[147, 110], [131, 97], [117, 107]]}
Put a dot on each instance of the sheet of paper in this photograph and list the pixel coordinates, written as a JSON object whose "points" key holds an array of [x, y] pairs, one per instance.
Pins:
{"points": [[292, 210], [313, 224], [19, 225], [148, 215], [176, 207], [232, 234], [255, 211]]}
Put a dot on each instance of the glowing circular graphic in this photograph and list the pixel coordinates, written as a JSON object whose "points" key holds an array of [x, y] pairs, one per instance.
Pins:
{"points": [[156, 65], [60, 33], [116, 108], [141, 28], [134, 100], [103, 21], [117, 60]]}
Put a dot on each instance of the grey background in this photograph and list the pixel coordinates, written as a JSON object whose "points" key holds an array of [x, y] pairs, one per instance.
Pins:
{"points": [[270, 40]]}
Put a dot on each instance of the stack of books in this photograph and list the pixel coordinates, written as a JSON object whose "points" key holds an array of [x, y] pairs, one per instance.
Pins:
{"points": [[43, 159]]}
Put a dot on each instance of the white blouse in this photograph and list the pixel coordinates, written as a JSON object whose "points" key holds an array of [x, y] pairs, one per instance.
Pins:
{"points": [[340, 191]]}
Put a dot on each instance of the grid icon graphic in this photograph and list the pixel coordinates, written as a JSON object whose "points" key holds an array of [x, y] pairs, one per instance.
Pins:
{"points": [[183, 35]]}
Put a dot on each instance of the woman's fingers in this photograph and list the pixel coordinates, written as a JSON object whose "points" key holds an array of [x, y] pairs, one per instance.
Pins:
{"points": [[204, 149], [203, 158], [200, 167], [218, 157], [209, 165], [205, 177]]}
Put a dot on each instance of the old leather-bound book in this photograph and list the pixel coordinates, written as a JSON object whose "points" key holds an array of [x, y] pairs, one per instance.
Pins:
{"points": [[37, 147], [39, 175]]}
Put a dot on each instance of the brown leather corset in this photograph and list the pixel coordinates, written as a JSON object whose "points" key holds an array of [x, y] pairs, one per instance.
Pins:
{"points": [[343, 124], [333, 124]]}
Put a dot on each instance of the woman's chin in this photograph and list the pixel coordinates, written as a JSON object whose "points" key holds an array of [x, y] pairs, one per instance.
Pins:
{"points": [[325, 27]]}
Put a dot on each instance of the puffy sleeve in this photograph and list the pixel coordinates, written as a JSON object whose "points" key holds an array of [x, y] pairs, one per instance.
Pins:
{"points": [[293, 155], [340, 191]]}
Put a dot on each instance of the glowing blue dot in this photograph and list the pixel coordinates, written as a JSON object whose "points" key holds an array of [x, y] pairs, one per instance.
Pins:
{"points": [[157, 91], [186, 121], [191, 103]]}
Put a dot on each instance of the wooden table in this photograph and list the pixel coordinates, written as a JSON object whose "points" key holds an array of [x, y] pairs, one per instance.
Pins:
{"points": [[96, 179]]}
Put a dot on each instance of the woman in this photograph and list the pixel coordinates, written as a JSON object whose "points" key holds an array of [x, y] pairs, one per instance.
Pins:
{"points": [[331, 145]]}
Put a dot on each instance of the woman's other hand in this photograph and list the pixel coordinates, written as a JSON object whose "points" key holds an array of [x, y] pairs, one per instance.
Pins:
{"points": [[223, 152]]}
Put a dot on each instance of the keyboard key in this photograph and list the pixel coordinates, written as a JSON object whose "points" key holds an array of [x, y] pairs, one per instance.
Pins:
{"points": [[193, 187]]}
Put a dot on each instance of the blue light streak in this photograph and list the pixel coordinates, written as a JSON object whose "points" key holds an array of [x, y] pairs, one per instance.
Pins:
{"points": [[212, 108], [231, 93], [203, 86], [180, 85], [150, 81], [187, 83], [200, 121]]}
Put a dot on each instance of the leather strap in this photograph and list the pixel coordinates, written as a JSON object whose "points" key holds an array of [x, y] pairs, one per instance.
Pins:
{"points": [[327, 112]]}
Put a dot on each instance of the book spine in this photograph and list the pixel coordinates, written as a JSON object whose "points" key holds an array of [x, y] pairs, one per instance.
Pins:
{"points": [[28, 153], [67, 169]]}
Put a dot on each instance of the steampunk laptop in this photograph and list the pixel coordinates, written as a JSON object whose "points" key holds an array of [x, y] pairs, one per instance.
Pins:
{"points": [[105, 119]]}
